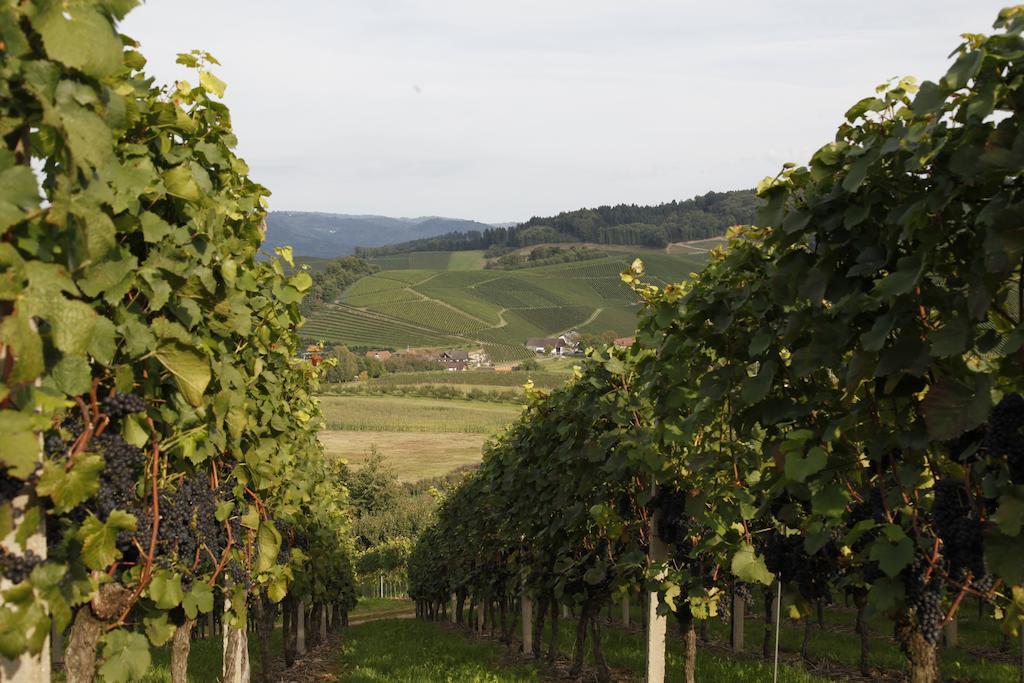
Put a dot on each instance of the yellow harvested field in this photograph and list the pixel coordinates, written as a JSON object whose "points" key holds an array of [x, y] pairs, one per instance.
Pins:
{"points": [[412, 455]]}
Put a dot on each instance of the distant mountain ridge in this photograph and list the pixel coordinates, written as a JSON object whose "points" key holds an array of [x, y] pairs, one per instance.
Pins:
{"points": [[312, 233]]}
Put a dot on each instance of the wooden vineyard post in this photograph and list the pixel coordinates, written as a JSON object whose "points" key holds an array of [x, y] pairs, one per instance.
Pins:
{"points": [[451, 617], [480, 616], [323, 622], [565, 611], [56, 647], [657, 624], [26, 668], [300, 630], [950, 633], [235, 667], [527, 610], [738, 615], [625, 609]]}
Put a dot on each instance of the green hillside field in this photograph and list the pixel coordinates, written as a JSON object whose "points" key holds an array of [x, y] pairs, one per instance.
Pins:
{"points": [[448, 299]]}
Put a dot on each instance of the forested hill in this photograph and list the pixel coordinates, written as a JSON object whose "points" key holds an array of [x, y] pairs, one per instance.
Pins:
{"points": [[335, 234], [705, 216]]}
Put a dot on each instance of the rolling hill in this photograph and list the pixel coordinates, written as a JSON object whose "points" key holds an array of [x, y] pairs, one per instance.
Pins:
{"points": [[328, 235], [431, 299]]}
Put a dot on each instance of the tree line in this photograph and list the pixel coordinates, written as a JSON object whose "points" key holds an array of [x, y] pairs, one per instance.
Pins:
{"points": [[702, 217]]}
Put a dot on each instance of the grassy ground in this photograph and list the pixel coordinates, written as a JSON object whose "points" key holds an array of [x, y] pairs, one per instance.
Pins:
{"points": [[394, 414], [415, 651], [380, 607], [205, 658], [412, 455], [833, 649], [552, 374]]}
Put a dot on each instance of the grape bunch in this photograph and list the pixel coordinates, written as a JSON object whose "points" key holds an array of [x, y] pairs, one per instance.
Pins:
{"points": [[9, 487], [924, 598], [119, 404], [187, 520], [15, 567], [122, 462], [673, 522], [960, 530], [786, 557], [1003, 437]]}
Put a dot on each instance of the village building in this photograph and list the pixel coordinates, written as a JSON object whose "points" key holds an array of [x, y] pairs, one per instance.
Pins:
{"points": [[455, 361], [379, 355], [556, 346]]}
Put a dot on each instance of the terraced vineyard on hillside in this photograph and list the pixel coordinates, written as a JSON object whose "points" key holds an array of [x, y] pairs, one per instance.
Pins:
{"points": [[447, 299]]}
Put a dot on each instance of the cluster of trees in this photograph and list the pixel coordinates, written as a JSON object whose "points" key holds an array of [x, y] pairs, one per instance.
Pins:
{"points": [[833, 404], [159, 453], [389, 515], [546, 255], [704, 216], [332, 280], [349, 366]]}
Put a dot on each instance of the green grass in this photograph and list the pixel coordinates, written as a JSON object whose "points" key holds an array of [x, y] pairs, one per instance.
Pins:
{"points": [[380, 607], [205, 659], [412, 455], [548, 378], [613, 318], [392, 414], [414, 651]]}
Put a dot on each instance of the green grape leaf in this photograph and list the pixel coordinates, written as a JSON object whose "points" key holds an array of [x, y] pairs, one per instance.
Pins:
{"points": [[180, 183], [19, 447], [191, 369], [748, 566], [211, 83], [952, 406], [198, 600], [268, 540], [18, 193], [99, 539], [19, 334], [798, 468], [69, 488], [1010, 515], [80, 37], [72, 375], [893, 551], [165, 589], [158, 630], [125, 656]]}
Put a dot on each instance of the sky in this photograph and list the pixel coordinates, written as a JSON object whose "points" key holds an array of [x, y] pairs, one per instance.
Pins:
{"points": [[498, 111]]}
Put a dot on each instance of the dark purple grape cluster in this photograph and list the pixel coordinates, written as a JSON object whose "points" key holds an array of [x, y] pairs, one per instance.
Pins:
{"points": [[959, 528], [9, 487], [16, 568], [1003, 437], [187, 520], [53, 445], [120, 404], [122, 462], [924, 598], [786, 557]]}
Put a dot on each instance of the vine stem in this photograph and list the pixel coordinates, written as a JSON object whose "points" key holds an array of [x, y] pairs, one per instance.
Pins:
{"points": [[956, 602]]}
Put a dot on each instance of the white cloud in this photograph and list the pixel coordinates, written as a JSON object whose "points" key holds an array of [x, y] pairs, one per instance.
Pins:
{"points": [[499, 111]]}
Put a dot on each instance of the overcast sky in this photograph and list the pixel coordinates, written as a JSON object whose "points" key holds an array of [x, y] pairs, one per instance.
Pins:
{"points": [[498, 111]]}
